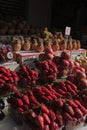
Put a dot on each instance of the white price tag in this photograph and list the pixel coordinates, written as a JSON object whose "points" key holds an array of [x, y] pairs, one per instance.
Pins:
{"points": [[67, 30], [9, 55]]}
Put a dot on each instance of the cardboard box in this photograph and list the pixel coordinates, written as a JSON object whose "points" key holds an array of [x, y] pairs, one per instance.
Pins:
{"points": [[26, 58]]}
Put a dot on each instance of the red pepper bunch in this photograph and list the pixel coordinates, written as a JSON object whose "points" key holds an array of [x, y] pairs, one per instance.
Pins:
{"points": [[66, 89], [45, 119], [54, 113], [64, 64], [46, 94], [47, 71], [82, 97], [23, 101], [71, 110], [27, 77], [8, 80]]}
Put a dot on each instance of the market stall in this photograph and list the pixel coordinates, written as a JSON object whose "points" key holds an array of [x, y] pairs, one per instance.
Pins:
{"points": [[43, 82]]}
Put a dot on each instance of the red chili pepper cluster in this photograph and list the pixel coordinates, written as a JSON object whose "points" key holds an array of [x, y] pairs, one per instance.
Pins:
{"points": [[54, 113], [70, 109], [66, 89], [64, 64], [27, 77], [23, 101], [46, 94], [47, 71], [45, 120], [8, 80], [82, 97]]}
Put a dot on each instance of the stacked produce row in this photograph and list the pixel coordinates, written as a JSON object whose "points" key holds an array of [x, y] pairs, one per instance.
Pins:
{"points": [[46, 109], [8, 81], [39, 43], [39, 101]]}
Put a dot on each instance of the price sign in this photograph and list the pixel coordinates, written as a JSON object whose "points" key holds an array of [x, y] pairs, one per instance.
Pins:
{"points": [[67, 31], [74, 54]]}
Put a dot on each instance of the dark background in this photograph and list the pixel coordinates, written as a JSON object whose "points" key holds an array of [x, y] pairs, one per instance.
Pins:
{"points": [[69, 13], [55, 14]]}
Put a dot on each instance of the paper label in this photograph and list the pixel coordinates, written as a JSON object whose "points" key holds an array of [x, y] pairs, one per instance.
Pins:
{"points": [[67, 31]]}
